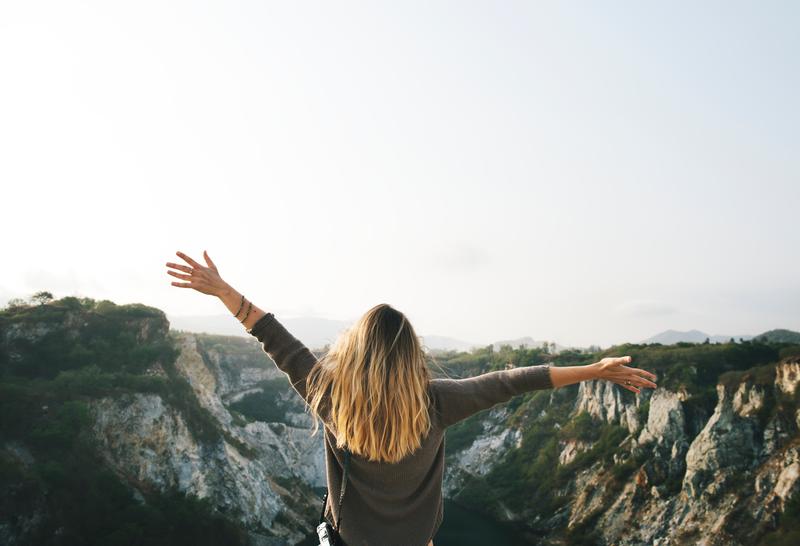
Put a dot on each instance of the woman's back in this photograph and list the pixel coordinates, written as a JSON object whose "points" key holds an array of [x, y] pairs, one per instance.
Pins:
{"points": [[388, 503], [396, 503]]}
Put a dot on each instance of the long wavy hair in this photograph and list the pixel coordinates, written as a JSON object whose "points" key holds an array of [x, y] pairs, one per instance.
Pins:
{"points": [[372, 384]]}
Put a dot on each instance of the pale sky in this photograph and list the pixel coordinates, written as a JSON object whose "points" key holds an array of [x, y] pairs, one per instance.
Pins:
{"points": [[582, 172]]}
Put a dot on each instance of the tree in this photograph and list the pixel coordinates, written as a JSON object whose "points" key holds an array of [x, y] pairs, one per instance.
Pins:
{"points": [[42, 297], [16, 303], [707, 341]]}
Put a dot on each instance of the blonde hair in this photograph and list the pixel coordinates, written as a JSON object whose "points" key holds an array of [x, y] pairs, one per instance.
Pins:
{"points": [[373, 384]]}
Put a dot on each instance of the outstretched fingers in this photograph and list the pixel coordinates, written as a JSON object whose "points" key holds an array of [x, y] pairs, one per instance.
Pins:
{"points": [[186, 277], [631, 388], [636, 382], [623, 380], [184, 268], [188, 259], [642, 376], [180, 267], [644, 373]]}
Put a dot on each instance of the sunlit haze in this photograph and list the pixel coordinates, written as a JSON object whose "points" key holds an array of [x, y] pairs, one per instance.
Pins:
{"points": [[585, 173]]}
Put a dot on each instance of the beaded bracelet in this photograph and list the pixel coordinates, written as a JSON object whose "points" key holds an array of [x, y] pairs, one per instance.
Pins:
{"points": [[240, 308], [249, 308]]}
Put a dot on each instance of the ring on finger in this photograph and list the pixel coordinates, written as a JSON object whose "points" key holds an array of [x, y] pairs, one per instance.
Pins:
{"points": [[628, 382]]}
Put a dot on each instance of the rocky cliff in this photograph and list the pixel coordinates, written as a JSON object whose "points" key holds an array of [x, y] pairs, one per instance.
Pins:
{"points": [[678, 474], [265, 487], [710, 457], [166, 422]]}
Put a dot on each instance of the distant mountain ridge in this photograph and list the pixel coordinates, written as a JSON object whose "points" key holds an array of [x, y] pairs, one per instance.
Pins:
{"points": [[314, 332], [317, 332], [528, 342], [669, 337], [444, 343]]}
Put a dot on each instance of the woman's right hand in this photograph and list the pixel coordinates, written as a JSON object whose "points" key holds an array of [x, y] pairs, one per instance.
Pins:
{"points": [[612, 369], [205, 280]]}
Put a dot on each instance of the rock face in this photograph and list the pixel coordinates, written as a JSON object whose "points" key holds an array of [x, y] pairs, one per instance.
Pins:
{"points": [[149, 443], [787, 375], [478, 459], [696, 475], [686, 472], [713, 478], [602, 400], [291, 449]]}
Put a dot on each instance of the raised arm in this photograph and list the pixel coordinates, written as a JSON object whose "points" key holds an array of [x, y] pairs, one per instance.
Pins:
{"points": [[234, 301], [457, 399], [288, 353]]}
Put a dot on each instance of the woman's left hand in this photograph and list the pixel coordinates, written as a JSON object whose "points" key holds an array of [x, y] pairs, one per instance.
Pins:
{"points": [[613, 369], [203, 279]]}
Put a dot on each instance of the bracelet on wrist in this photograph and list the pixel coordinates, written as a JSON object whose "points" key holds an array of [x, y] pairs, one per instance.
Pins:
{"points": [[240, 308], [249, 308]]}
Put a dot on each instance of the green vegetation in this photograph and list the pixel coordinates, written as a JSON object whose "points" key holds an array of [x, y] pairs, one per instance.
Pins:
{"points": [[55, 356], [643, 411], [86, 502], [70, 334], [697, 409], [758, 375], [201, 423], [484, 360], [263, 405], [581, 427], [462, 434], [530, 479], [789, 351], [780, 336], [788, 533], [233, 353], [66, 353], [695, 367], [584, 533], [691, 366]]}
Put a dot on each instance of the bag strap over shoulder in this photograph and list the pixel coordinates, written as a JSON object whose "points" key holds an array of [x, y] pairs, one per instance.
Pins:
{"points": [[344, 486], [341, 495]]}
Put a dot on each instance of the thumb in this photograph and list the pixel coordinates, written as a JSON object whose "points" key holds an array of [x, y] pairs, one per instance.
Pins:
{"points": [[208, 260]]}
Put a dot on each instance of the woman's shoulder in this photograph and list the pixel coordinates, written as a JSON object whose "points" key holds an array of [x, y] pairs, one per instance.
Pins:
{"points": [[440, 387]]}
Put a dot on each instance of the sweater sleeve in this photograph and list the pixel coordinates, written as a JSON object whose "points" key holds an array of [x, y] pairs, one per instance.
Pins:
{"points": [[289, 354], [457, 399]]}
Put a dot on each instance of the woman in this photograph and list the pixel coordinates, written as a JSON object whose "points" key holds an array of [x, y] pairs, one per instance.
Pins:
{"points": [[374, 394]]}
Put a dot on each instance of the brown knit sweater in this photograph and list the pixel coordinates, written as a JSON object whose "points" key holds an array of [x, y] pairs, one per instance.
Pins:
{"points": [[396, 504]]}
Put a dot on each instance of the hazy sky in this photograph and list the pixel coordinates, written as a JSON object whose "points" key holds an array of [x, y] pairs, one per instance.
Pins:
{"points": [[581, 172]]}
